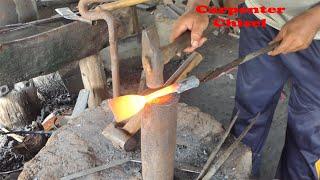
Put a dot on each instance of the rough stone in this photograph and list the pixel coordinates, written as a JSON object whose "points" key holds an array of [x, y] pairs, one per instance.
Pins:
{"points": [[79, 145]]}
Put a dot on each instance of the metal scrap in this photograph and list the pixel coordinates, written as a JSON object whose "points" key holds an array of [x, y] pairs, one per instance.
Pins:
{"points": [[217, 148], [220, 161]]}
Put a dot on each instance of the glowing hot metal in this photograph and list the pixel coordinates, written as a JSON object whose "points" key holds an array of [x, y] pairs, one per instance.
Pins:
{"points": [[124, 107]]}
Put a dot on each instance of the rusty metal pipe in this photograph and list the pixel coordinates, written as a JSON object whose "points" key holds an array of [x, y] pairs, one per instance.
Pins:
{"points": [[97, 14], [158, 138]]}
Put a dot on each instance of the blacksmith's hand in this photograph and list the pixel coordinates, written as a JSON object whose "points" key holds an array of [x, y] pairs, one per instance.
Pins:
{"points": [[194, 22], [298, 33]]}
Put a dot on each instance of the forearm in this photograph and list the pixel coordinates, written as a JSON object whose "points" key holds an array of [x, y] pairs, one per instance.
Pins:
{"points": [[192, 4], [315, 15]]}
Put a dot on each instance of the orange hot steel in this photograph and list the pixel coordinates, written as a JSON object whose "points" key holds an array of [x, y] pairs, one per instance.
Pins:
{"points": [[124, 107]]}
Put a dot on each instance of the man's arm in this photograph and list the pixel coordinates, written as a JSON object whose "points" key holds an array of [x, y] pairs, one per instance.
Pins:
{"points": [[298, 33], [194, 22]]}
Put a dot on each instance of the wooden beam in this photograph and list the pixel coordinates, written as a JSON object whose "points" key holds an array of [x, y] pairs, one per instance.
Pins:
{"points": [[25, 54], [48, 51]]}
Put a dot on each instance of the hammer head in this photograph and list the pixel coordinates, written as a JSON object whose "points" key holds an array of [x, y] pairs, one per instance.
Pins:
{"points": [[119, 138], [152, 59]]}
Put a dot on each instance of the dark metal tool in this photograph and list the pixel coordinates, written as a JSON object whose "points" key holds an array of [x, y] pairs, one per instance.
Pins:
{"points": [[154, 57], [211, 171], [215, 73], [217, 148]]}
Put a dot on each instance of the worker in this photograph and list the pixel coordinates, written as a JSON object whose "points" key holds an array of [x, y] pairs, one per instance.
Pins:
{"points": [[260, 81]]}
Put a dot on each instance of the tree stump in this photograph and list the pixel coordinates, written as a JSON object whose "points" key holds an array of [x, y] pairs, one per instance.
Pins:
{"points": [[20, 106], [94, 79]]}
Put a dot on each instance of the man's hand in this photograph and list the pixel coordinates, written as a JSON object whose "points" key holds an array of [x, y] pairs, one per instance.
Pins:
{"points": [[194, 22], [298, 33]]}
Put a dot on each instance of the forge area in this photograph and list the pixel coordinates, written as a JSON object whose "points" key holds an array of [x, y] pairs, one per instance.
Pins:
{"points": [[57, 58]]}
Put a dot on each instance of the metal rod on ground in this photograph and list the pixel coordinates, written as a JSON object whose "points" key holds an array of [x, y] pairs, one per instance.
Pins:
{"points": [[117, 163], [179, 166], [215, 167], [218, 147], [9, 172], [23, 132], [95, 169]]}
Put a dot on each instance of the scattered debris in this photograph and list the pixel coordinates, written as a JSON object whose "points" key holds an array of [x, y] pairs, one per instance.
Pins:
{"points": [[221, 160], [217, 148], [49, 122], [215, 32], [80, 145], [9, 160], [14, 136], [234, 35], [230, 76]]}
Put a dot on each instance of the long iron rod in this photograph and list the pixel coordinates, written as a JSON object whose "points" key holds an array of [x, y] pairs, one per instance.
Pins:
{"points": [[220, 161], [215, 73], [217, 148]]}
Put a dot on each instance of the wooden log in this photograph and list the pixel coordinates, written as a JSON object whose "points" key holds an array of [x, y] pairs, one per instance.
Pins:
{"points": [[31, 51], [18, 108], [94, 79], [17, 11]]}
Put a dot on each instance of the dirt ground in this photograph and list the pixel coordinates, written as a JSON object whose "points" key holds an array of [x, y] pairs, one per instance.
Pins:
{"points": [[80, 145], [217, 97]]}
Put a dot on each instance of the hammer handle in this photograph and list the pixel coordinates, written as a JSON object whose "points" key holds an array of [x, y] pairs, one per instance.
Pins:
{"points": [[121, 4], [182, 42], [178, 45]]}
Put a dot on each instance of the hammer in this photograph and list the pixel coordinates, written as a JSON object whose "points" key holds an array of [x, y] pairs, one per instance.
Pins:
{"points": [[134, 124], [153, 59]]}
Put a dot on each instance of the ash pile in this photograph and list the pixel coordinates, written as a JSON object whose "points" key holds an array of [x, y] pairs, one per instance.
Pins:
{"points": [[23, 133]]}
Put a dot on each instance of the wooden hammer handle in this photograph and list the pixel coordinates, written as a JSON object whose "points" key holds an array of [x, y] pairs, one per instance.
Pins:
{"points": [[178, 45], [121, 4], [182, 42]]}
